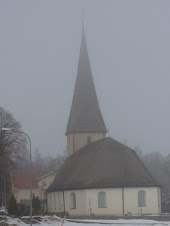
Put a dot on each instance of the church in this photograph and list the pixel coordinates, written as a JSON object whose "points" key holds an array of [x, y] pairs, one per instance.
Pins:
{"points": [[101, 176]]}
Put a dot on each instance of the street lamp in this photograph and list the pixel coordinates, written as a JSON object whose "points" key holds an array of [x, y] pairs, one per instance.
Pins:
{"points": [[15, 131]]}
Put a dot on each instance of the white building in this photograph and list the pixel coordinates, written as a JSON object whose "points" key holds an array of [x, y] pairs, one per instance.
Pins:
{"points": [[100, 176], [21, 186]]}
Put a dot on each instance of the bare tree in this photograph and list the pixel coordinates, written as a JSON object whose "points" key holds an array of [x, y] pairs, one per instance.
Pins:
{"points": [[158, 165], [12, 145], [47, 163]]}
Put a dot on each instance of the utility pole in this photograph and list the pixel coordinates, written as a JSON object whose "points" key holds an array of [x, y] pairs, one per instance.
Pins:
{"points": [[2, 192], [5, 194]]}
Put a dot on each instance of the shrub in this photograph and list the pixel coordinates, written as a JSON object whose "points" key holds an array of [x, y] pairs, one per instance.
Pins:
{"points": [[12, 206]]}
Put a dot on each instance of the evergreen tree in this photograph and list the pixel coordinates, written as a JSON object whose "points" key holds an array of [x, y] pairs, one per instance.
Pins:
{"points": [[12, 206], [36, 204]]}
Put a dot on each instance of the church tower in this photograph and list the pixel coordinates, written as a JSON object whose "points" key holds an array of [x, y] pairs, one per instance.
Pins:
{"points": [[85, 124]]}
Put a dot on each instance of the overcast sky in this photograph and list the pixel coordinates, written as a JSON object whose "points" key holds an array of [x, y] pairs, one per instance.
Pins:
{"points": [[129, 49]]}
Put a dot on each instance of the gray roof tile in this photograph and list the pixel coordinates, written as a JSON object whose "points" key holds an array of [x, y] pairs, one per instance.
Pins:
{"points": [[103, 164]]}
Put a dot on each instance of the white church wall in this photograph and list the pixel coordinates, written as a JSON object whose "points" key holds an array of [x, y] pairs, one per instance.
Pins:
{"points": [[87, 202], [152, 201], [55, 202], [113, 202], [80, 202]]}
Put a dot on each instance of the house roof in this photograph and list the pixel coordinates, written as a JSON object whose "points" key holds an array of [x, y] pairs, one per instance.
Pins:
{"points": [[102, 164], [46, 175], [22, 180], [85, 115]]}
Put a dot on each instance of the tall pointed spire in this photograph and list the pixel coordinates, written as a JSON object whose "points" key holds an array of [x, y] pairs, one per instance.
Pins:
{"points": [[85, 115]]}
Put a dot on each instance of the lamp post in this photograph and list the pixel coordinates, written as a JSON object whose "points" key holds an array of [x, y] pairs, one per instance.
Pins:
{"points": [[15, 131]]}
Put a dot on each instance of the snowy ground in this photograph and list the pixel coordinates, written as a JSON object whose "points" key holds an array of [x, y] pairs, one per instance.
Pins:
{"points": [[55, 221], [2, 210]]}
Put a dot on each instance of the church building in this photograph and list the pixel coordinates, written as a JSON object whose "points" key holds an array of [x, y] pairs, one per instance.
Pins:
{"points": [[100, 177]]}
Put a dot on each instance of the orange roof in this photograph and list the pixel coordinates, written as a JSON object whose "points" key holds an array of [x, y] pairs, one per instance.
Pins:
{"points": [[22, 180]]}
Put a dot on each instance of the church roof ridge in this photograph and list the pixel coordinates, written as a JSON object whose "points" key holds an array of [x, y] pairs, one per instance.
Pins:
{"points": [[100, 143]]}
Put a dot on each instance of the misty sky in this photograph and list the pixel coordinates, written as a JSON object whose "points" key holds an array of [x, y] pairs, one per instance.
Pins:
{"points": [[129, 49]]}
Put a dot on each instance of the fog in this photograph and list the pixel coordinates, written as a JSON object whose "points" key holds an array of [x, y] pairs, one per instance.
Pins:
{"points": [[129, 50]]}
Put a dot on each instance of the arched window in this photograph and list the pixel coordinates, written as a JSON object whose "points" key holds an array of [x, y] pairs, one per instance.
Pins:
{"points": [[102, 199], [73, 200], [141, 198]]}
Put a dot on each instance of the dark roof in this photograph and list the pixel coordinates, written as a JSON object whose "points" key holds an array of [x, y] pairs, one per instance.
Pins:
{"points": [[102, 164], [85, 115]]}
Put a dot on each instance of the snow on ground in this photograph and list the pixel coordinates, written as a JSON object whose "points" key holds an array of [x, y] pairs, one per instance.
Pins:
{"points": [[2, 210], [118, 222], [54, 221]]}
